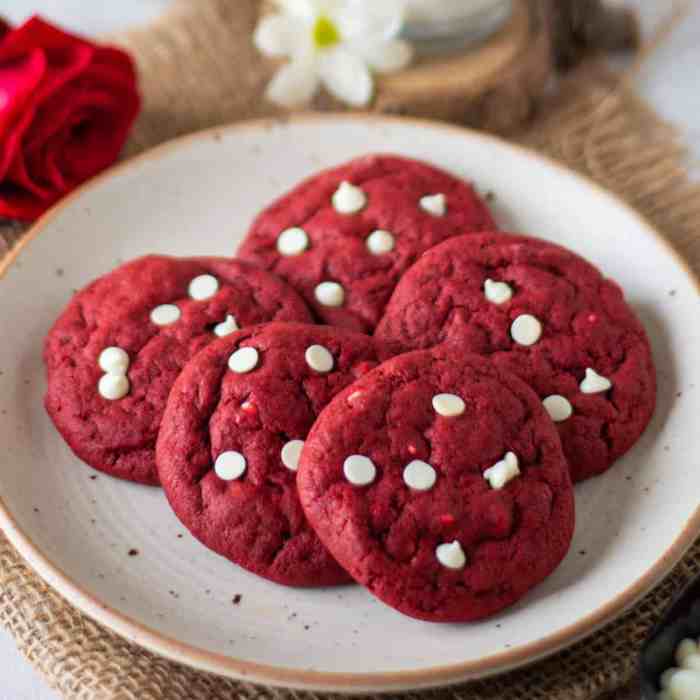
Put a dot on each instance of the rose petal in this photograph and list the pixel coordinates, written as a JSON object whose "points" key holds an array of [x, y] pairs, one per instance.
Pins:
{"points": [[15, 203], [279, 35], [19, 80], [294, 84], [114, 65], [386, 56], [346, 76], [4, 28], [37, 33]]}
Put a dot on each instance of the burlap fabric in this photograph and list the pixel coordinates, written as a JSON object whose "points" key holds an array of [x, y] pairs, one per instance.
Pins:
{"points": [[200, 73]]}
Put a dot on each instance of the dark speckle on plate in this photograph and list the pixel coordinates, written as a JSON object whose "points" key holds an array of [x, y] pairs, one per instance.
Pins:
{"points": [[133, 552], [237, 599]]}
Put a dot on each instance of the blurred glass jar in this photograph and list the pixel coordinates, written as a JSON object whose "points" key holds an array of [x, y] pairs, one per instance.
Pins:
{"points": [[444, 25]]}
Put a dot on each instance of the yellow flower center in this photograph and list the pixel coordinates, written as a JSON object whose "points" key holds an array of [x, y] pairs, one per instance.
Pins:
{"points": [[325, 33]]}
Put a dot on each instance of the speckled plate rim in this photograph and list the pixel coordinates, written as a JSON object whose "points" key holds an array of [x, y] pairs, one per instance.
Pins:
{"points": [[230, 667]]}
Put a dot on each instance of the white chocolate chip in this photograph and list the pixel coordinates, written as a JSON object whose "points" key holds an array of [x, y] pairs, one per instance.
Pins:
{"points": [[692, 662], [114, 360], [380, 242], [419, 475], [497, 292], [435, 204], [244, 360], [165, 314], [451, 555], [230, 465], [359, 470], [595, 383], [349, 199], [685, 648], [558, 407], [293, 241], [448, 405], [502, 472], [113, 386], [354, 396], [526, 330], [330, 294], [226, 327], [291, 453], [203, 287], [665, 677], [319, 358], [685, 685]]}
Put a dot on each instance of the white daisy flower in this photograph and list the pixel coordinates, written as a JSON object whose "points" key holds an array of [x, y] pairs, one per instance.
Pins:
{"points": [[334, 43]]}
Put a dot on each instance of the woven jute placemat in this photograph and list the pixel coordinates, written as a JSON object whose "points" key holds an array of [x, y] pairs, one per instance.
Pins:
{"points": [[198, 69]]}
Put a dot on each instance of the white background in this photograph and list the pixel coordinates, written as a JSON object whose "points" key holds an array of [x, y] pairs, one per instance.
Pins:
{"points": [[669, 80]]}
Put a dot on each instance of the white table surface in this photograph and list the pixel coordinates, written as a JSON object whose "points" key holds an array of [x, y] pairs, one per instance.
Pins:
{"points": [[669, 81]]}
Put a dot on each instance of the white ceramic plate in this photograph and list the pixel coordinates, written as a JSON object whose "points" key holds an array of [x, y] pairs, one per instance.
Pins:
{"points": [[197, 196]]}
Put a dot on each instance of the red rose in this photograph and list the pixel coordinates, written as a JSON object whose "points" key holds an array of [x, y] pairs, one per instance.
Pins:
{"points": [[66, 108]]}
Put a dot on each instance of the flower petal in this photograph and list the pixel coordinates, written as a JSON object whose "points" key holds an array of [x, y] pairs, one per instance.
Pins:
{"points": [[295, 84], [385, 56], [346, 77], [360, 19], [306, 9], [278, 35]]}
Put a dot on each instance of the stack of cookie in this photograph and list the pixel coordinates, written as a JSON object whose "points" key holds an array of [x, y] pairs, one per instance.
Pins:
{"points": [[382, 387]]}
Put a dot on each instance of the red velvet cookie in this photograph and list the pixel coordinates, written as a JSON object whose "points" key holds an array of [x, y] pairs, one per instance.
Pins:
{"points": [[344, 238], [546, 314], [231, 437], [116, 350], [439, 483]]}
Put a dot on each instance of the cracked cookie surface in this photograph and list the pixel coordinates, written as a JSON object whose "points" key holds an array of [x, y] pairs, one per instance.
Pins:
{"points": [[248, 401], [452, 545], [361, 238], [544, 313], [152, 315]]}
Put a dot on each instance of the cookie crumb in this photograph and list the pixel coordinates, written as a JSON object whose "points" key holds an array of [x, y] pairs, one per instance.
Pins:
{"points": [[93, 477], [679, 394], [307, 627], [133, 552], [35, 509], [582, 552], [59, 272], [237, 599], [179, 536], [672, 293], [490, 196]]}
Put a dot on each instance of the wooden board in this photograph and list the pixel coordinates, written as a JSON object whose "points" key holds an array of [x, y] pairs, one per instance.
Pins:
{"points": [[494, 85]]}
